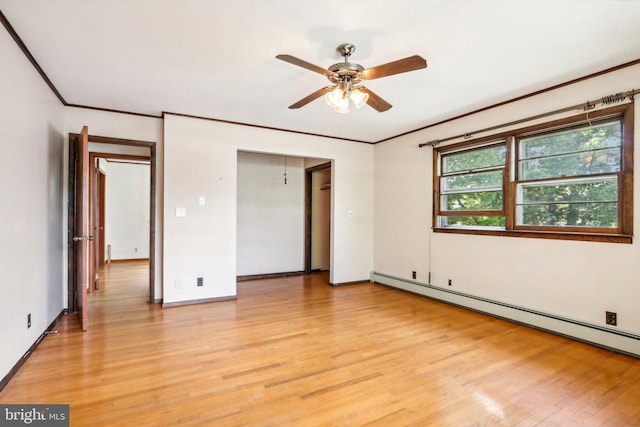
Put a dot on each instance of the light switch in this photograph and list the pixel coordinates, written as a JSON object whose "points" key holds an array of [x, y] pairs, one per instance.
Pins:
{"points": [[201, 201], [180, 212]]}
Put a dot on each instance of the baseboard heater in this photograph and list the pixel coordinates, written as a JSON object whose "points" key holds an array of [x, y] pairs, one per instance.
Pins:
{"points": [[602, 336]]}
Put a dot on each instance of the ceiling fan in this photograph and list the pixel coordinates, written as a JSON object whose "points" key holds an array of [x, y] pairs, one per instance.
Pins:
{"points": [[346, 76]]}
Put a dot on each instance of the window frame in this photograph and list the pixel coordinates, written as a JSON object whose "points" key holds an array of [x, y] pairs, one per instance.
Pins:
{"points": [[622, 234]]}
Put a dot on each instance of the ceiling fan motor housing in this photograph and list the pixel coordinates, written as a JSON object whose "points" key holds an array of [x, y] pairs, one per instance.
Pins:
{"points": [[348, 70]]}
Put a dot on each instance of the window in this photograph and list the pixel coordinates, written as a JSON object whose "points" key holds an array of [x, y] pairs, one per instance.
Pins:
{"points": [[569, 179], [471, 187]]}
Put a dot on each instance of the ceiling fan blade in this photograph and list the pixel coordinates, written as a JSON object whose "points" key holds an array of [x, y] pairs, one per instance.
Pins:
{"points": [[317, 94], [304, 64], [376, 102], [411, 63]]}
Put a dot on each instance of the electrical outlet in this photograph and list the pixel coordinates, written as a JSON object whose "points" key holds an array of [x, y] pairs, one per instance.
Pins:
{"points": [[28, 320], [413, 274], [449, 282], [178, 285], [611, 318], [200, 281]]}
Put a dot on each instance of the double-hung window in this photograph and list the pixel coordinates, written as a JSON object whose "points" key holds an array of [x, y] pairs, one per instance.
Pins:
{"points": [[569, 179], [471, 186]]}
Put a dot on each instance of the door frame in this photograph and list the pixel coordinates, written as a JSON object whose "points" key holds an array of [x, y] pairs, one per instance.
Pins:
{"points": [[101, 186], [73, 139], [81, 237], [308, 188]]}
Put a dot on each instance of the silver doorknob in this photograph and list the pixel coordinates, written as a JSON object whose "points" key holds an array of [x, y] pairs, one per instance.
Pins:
{"points": [[77, 239]]}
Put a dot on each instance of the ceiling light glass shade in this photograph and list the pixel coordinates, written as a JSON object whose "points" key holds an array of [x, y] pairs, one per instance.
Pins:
{"points": [[343, 105], [334, 97], [359, 97]]}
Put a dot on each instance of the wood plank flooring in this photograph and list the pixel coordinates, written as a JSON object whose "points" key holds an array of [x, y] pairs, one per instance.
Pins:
{"points": [[297, 352]]}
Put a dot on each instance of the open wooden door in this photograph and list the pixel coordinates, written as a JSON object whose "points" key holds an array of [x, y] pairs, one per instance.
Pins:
{"points": [[82, 238]]}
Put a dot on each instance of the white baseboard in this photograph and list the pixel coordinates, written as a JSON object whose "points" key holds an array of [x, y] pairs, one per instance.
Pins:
{"points": [[603, 336], [198, 301]]}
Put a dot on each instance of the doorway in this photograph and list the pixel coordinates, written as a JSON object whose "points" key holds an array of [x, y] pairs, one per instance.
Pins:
{"points": [[127, 201], [318, 218], [119, 145]]}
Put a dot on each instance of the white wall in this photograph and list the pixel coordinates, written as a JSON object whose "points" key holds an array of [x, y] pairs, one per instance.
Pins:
{"points": [[127, 209], [31, 186], [125, 126], [270, 217], [578, 280], [201, 160]]}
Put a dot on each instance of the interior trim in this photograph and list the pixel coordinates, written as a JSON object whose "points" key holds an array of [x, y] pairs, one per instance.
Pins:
{"points": [[111, 110], [266, 127], [357, 282], [249, 277], [39, 69], [12, 32], [125, 260], [13, 371], [198, 301], [153, 205], [519, 98]]}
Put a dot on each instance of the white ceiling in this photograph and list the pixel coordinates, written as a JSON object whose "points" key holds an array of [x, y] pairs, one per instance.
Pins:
{"points": [[216, 59]]}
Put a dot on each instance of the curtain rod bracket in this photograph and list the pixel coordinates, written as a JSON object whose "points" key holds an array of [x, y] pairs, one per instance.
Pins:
{"points": [[433, 143], [589, 106]]}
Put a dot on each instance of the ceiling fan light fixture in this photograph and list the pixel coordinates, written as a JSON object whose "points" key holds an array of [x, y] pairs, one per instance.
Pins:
{"points": [[335, 97], [339, 97], [343, 106], [359, 97]]}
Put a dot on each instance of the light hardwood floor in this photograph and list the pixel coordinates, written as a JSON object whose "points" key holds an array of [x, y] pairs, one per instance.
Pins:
{"points": [[297, 352]]}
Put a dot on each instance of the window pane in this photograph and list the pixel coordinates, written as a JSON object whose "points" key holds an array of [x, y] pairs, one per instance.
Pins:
{"points": [[601, 190], [472, 221], [603, 215], [477, 181], [584, 163], [481, 201], [604, 135], [474, 159]]}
